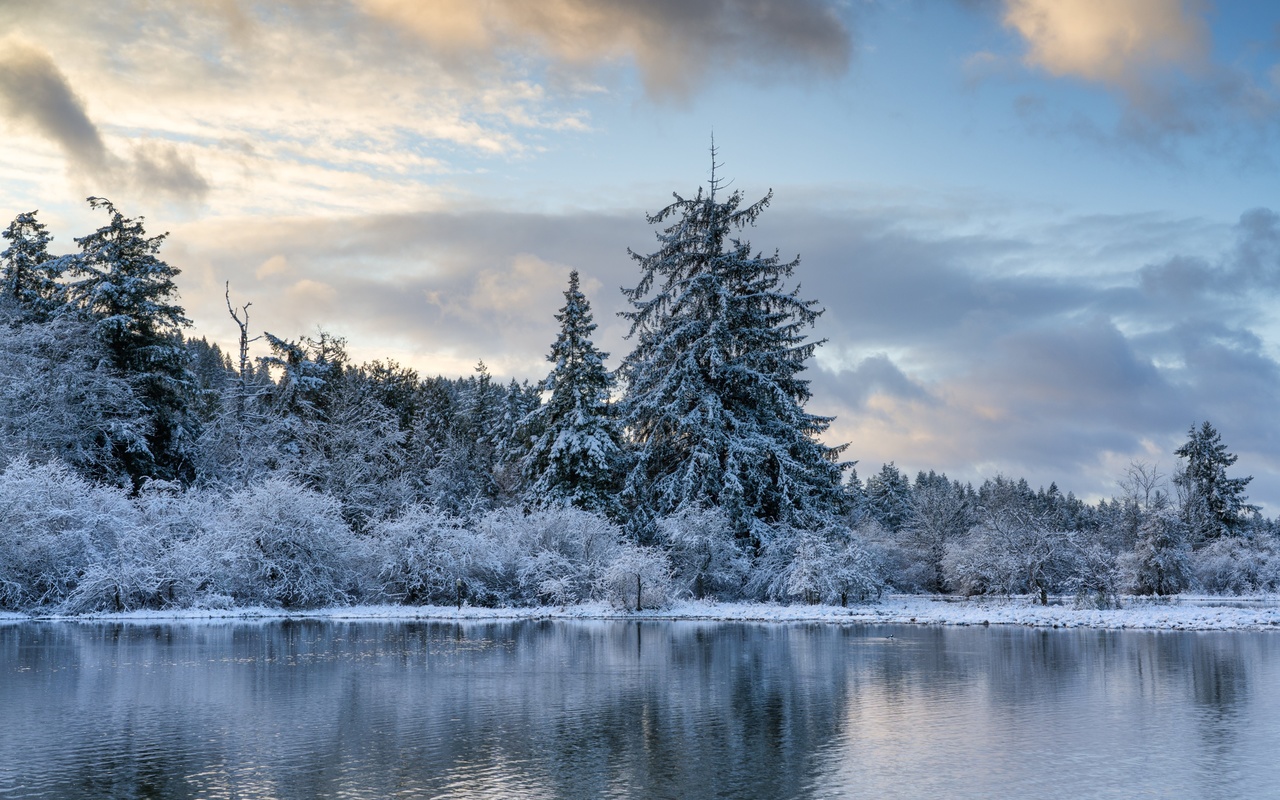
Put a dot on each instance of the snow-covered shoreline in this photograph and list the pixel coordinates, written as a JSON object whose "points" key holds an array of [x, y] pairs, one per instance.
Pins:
{"points": [[1181, 614]]}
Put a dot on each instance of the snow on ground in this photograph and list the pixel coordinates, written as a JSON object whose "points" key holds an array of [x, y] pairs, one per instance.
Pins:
{"points": [[1182, 613]]}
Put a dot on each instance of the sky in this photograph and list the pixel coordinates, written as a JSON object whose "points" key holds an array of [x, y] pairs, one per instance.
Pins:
{"points": [[1044, 232]]}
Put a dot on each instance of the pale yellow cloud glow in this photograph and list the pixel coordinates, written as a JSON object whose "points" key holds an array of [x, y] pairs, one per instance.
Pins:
{"points": [[1108, 41], [233, 108]]}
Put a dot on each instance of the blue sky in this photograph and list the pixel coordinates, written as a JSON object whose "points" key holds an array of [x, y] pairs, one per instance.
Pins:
{"points": [[1044, 231]]}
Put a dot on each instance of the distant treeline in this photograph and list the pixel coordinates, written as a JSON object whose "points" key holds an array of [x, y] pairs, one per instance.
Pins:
{"points": [[146, 469]]}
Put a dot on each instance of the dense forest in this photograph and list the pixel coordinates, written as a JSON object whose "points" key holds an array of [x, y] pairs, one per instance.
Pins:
{"points": [[145, 469]]}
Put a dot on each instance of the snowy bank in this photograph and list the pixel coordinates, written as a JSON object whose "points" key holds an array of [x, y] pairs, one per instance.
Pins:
{"points": [[1182, 613]]}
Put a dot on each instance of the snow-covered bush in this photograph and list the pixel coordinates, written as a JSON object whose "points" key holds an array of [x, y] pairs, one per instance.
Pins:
{"points": [[180, 523], [830, 565], [706, 558], [282, 544], [54, 526], [1010, 553], [422, 553], [1234, 565], [1093, 573], [556, 555], [638, 572], [906, 566], [940, 512]]}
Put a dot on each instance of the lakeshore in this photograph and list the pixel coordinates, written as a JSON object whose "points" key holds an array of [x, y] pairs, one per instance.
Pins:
{"points": [[1180, 613]]}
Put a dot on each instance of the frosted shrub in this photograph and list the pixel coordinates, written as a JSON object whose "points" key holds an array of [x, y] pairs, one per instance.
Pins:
{"points": [[707, 560], [421, 554], [55, 526], [970, 567], [550, 556], [181, 524], [939, 511], [830, 565], [636, 571], [1009, 554], [906, 566], [149, 556], [1232, 565], [1093, 573], [125, 570], [855, 572], [282, 544]]}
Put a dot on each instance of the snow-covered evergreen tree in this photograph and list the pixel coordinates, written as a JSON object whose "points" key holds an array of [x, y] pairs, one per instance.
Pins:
{"points": [[129, 295], [465, 478], [514, 437], [1161, 557], [940, 513], [332, 432], [574, 456], [888, 497], [60, 399], [1213, 505], [714, 399], [28, 273]]}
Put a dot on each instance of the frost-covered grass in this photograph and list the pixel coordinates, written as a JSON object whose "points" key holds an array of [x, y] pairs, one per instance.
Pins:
{"points": [[1189, 613]]}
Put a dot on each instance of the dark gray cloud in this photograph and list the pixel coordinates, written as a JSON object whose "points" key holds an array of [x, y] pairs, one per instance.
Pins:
{"points": [[1180, 278], [1054, 377], [1205, 284], [1257, 252], [161, 168], [35, 93], [676, 44], [873, 375]]}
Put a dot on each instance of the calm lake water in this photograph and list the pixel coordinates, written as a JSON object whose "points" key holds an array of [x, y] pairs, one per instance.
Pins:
{"points": [[648, 710]]}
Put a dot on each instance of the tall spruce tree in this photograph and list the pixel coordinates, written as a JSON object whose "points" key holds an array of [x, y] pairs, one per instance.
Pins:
{"points": [[129, 296], [28, 273], [714, 399], [573, 458]]}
